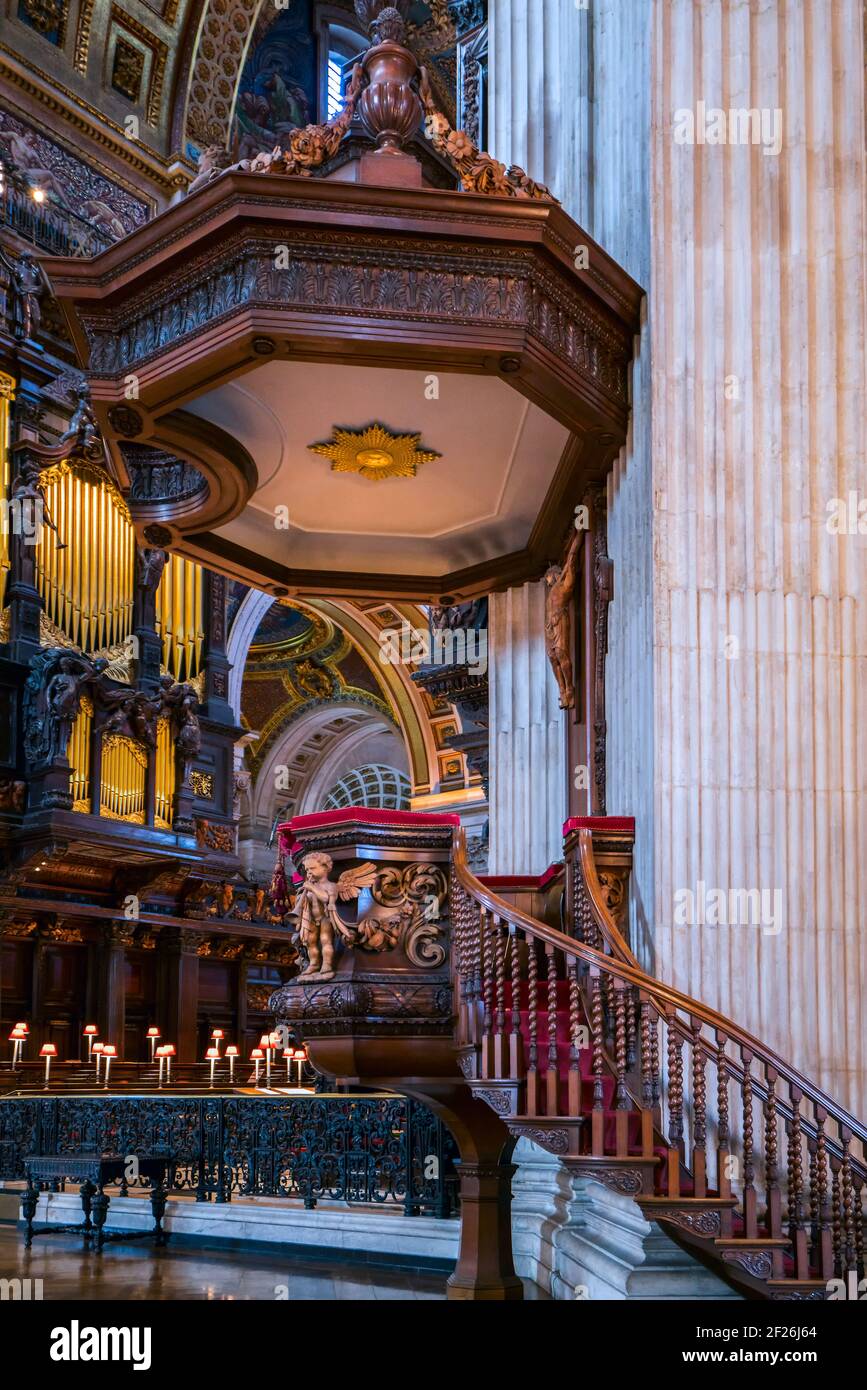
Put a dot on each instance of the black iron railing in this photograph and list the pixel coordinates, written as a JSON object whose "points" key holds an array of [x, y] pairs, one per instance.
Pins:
{"points": [[345, 1148], [49, 226]]}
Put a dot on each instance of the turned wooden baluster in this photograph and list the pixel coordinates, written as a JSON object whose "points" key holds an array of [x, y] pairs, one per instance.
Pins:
{"points": [[649, 1081], [813, 1184], [596, 1029], [475, 1007], [631, 1025], [655, 1068], [797, 1224], [823, 1249], [460, 914], [575, 1030], [773, 1193], [836, 1215], [552, 1079], [500, 1045], [622, 1103], [699, 1112], [675, 1102], [516, 1042], [532, 1027], [751, 1222], [486, 934], [860, 1252], [724, 1172], [847, 1196]]}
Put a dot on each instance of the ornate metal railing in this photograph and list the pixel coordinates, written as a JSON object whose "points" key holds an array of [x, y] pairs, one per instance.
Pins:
{"points": [[357, 1149], [50, 227]]}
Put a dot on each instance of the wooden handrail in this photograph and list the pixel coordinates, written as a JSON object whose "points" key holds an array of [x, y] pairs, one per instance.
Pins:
{"points": [[664, 996]]}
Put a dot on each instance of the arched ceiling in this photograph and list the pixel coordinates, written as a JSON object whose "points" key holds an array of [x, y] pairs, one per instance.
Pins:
{"points": [[134, 89], [278, 648]]}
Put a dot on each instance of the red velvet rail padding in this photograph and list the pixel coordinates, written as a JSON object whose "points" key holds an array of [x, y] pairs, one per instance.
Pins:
{"points": [[364, 815], [533, 883], [612, 823]]}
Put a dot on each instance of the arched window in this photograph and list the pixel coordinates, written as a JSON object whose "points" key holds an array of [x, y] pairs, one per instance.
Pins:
{"points": [[384, 788], [341, 46], [335, 86]]}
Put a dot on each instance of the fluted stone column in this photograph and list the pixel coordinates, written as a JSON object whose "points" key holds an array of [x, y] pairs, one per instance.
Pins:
{"points": [[527, 738], [761, 613], [538, 113], [737, 675]]}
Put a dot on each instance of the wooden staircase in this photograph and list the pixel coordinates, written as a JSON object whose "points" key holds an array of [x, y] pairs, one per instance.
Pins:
{"points": [[736, 1154]]}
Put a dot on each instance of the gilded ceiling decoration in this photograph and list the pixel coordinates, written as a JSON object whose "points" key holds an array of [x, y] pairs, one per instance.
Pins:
{"points": [[375, 453]]}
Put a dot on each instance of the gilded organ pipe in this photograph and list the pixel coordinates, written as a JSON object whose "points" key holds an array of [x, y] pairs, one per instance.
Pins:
{"points": [[7, 394], [87, 588], [180, 617], [78, 755], [165, 775], [124, 779]]}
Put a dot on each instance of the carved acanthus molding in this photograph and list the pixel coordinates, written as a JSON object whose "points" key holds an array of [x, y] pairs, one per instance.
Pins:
{"points": [[331, 275]]}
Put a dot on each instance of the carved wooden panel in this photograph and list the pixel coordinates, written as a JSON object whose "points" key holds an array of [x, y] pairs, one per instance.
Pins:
{"points": [[317, 276]]}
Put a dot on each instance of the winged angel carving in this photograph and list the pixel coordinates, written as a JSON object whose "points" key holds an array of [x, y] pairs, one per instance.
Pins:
{"points": [[316, 911]]}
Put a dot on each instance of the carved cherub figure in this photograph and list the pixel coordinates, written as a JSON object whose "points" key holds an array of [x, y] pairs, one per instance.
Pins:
{"points": [[316, 910], [83, 431]]}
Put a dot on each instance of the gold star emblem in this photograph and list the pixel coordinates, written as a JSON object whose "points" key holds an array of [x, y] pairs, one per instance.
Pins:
{"points": [[374, 453]]}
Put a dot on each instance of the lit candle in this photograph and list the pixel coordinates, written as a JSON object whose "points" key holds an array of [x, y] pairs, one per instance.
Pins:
{"points": [[265, 1041], [256, 1056], [48, 1050], [169, 1051], [17, 1040], [152, 1035], [90, 1032], [231, 1053], [217, 1037], [288, 1054], [98, 1049], [212, 1055], [161, 1054], [300, 1057], [108, 1051]]}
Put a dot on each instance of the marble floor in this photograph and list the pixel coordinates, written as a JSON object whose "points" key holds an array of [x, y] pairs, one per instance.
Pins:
{"points": [[135, 1270]]}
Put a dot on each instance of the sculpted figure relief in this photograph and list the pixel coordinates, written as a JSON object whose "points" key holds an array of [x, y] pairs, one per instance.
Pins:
{"points": [[83, 432], [28, 284], [319, 922], [560, 585]]}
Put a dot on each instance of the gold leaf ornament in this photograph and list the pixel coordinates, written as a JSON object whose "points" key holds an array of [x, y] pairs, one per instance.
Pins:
{"points": [[375, 453]]}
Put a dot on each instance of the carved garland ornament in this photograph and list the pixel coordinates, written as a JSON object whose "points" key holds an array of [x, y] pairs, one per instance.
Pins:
{"points": [[478, 172]]}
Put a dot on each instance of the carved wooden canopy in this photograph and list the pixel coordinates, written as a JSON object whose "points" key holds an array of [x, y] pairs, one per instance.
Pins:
{"points": [[364, 266]]}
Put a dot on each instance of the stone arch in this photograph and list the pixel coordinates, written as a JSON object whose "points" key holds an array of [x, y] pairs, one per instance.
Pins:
{"points": [[314, 749], [406, 699]]}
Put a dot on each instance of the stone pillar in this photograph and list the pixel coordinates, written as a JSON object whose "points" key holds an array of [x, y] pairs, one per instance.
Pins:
{"points": [[527, 738], [539, 112], [736, 687], [760, 611]]}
